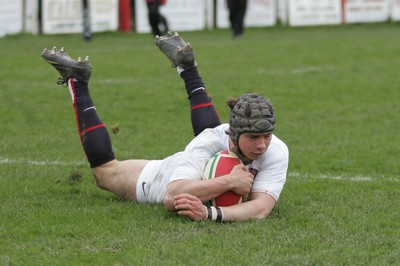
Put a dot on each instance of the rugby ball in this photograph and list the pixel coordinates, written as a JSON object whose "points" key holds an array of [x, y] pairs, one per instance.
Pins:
{"points": [[221, 164]]}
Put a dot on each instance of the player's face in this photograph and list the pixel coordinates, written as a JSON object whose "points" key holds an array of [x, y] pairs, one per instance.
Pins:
{"points": [[253, 145]]}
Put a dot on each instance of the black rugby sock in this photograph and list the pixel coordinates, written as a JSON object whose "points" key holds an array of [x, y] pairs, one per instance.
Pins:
{"points": [[95, 139], [203, 113]]}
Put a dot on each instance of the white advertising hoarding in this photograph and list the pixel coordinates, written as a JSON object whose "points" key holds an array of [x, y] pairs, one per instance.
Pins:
{"points": [[358, 11], [11, 17], [182, 15], [282, 11], [259, 13], [395, 10], [31, 16], [65, 16], [314, 12]]}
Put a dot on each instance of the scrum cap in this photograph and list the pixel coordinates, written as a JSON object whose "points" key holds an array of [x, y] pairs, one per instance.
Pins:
{"points": [[251, 114]]}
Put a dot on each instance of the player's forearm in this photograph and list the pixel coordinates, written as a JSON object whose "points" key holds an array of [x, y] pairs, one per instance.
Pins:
{"points": [[242, 212], [258, 208], [205, 190]]}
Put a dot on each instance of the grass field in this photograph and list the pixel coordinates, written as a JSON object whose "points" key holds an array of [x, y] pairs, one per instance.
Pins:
{"points": [[336, 94]]}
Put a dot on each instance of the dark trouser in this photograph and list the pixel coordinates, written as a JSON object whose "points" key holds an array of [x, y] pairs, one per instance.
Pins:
{"points": [[237, 10], [156, 19]]}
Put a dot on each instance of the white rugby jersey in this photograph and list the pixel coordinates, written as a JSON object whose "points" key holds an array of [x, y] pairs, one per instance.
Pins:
{"points": [[269, 171]]}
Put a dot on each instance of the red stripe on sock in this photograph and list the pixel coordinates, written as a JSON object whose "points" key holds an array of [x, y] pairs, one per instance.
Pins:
{"points": [[76, 114], [201, 106], [92, 128], [74, 104]]}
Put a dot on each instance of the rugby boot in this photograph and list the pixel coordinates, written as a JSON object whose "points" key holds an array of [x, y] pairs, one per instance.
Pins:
{"points": [[177, 50], [68, 67]]}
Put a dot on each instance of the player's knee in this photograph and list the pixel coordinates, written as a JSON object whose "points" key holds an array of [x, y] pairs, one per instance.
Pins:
{"points": [[101, 181], [103, 175]]}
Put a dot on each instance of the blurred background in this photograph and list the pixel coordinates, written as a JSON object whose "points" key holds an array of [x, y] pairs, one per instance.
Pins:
{"points": [[68, 16]]}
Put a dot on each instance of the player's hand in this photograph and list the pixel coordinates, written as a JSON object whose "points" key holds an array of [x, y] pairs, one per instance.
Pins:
{"points": [[190, 206], [242, 180]]}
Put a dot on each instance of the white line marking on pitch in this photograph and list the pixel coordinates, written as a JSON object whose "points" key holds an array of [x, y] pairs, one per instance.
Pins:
{"points": [[345, 178], [295, 71], [290, 174], [30, 162]]}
